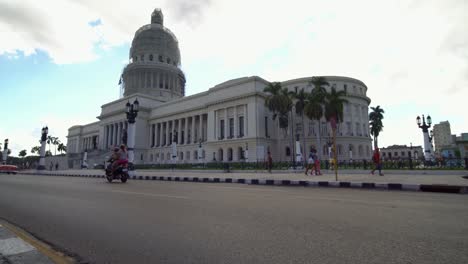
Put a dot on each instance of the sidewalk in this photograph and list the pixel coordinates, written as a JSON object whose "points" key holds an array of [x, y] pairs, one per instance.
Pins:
{"points": [[15, 250], [454, 177]]}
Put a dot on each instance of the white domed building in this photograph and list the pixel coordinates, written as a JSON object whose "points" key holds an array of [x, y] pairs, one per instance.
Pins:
{"points": [[229, 122]]}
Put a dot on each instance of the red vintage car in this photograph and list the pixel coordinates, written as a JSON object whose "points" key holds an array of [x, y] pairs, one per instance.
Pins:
{"points": [[8, 169]]}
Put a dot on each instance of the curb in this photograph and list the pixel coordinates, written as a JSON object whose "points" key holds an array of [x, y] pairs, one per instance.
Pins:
{"points": [[439, 188]]}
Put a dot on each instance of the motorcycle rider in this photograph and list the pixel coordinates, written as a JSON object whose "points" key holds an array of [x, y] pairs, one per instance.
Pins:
{"points": [[114, 159]]}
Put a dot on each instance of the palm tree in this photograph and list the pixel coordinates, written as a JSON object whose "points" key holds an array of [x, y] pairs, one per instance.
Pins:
{"points": [[50, 139], [375, 121], [334, 102], [273, 100], [55, 142], [36, 149], [279, 102], [317, 103], [301, 100], [22, 153], [62, 148]]}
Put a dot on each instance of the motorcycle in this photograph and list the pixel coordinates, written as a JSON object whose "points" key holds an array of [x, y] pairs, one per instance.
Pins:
{"points": [[120, 173]]}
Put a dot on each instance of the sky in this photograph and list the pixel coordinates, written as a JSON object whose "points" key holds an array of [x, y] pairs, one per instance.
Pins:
{"points": [[60, 60]]}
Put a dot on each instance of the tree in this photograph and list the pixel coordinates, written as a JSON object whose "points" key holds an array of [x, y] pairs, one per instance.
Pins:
{"points": [[62, 148], [55, 142], [22, 153], [50, 139], [375, 122], [334, 102], [278, 102], [300, 100], [36, 149], [48, 153], [316, 103]]}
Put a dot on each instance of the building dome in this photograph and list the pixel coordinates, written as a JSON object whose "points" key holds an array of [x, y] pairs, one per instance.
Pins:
{"points": [[154, 39], [154, 67]]}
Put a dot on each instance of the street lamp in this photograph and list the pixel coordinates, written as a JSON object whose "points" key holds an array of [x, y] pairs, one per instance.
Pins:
{"points": [[44, 132], [132, 113], [5, 151], [427, 139]]}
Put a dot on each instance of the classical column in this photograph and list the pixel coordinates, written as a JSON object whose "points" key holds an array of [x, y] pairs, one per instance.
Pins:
{"points": [[186, 130], [226, 123], [200, 128], [245, 120], [235, 122], [167, 133], [179, 128], [161, 134], [192, 132]]}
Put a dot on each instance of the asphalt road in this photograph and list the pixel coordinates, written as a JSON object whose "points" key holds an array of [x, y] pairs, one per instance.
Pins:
{"points": [[177, 222]]}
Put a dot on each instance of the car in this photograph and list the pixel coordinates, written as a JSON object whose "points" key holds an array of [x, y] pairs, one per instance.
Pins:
{"points": [[8, 169]]}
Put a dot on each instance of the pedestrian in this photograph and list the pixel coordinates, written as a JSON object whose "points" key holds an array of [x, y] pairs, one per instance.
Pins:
{"points": [[269, 162], [317, 165], [310, 164], [377, 162], [56, 166]]}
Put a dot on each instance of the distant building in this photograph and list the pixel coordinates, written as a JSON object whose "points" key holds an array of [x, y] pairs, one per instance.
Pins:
{"points": [[443, 136], [462, 145], [396, 152]]}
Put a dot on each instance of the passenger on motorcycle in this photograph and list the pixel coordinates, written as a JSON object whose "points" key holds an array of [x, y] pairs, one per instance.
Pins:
{"points": [[123, 157]]}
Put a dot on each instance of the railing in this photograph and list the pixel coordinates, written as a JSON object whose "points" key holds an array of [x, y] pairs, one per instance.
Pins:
{"points": [[448, 164]]}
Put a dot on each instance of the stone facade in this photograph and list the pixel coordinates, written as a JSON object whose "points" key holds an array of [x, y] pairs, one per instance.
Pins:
{"points": [[443, 136], [398, 152], [229, 122]]}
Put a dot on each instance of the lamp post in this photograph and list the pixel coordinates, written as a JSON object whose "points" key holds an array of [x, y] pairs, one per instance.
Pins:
{"points": [[132, 112], [45, 131], [427, 140], [410, 153], [5, 151]]}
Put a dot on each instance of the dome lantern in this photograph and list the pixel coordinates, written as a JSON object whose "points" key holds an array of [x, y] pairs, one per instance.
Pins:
{"points": [[157, 17]]}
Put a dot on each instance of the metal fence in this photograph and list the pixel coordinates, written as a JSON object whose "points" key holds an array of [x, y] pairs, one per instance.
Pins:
{"points": [[288, 165]]}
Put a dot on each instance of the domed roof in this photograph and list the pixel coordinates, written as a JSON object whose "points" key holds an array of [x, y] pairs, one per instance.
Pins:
{"points": [[157, 40]]}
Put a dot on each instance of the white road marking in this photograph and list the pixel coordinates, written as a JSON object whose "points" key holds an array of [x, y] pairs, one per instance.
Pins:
{"points": [[13, 246], [246, 188], [154, 195]]}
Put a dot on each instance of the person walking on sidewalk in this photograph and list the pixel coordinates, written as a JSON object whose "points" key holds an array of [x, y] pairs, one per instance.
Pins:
{"points": [[310, 164], [317, 164], [269, 162], [377, 162]]}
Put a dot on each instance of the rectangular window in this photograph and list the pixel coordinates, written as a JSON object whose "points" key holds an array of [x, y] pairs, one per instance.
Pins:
{"points": [[231, 127], [349, 129], [221, 129], [266, 127], [241, 126]]}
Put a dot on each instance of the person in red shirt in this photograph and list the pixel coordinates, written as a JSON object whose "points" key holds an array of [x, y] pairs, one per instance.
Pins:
{"points": [[377, 162]]}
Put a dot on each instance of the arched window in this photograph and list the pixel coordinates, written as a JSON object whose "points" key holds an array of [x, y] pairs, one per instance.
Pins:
{"points": [[168, 156], [181, 155], [288, 152], [151, 157], [340, 150], [229, 153], [168, 60], [187, 155], [367, 151], [160, 58], [220, 154], [361, 151], [151, 57], [142, 57], [325, 150]]}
